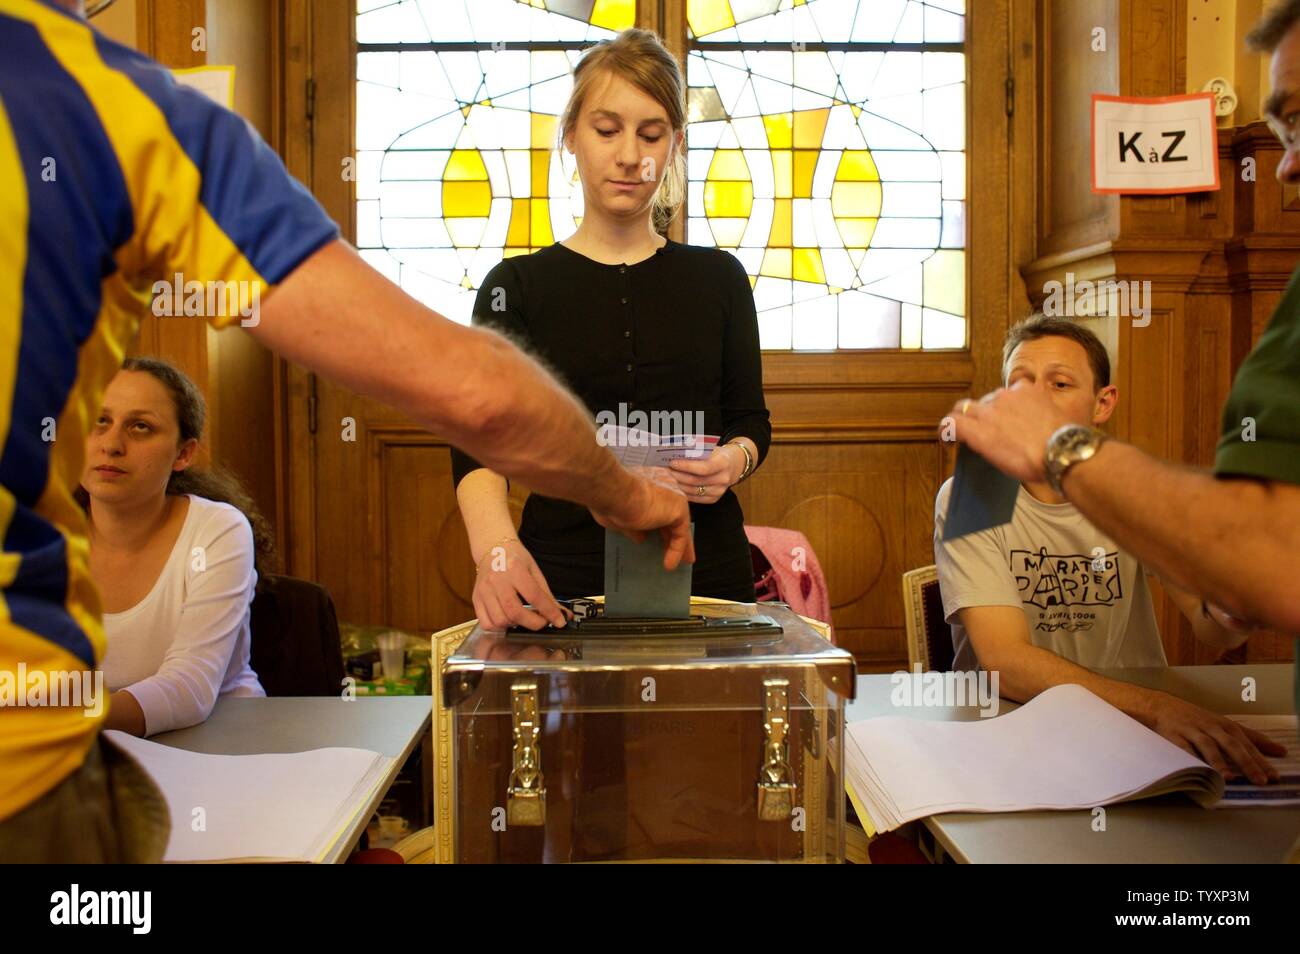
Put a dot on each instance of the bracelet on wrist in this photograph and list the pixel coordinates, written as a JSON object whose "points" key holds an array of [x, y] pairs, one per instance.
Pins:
{"points": [[749, 460]]}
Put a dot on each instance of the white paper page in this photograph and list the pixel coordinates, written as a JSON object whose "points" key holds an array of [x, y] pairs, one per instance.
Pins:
{"points": [[254, 806], [1064, 749]]}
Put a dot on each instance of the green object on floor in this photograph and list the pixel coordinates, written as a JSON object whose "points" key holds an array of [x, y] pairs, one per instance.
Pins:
{"points": [[415, 682]]}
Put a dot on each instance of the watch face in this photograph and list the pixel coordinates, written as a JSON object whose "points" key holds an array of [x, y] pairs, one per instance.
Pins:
{"points": [[1068, 446], [1077, 439], [1074, 436]]}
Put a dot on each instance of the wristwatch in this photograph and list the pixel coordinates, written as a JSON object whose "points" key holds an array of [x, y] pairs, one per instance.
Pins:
{"points": [[1068, 446]]}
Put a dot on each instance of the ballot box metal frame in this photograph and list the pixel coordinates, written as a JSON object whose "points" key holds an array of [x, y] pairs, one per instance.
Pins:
{"points": [[805, 719]]}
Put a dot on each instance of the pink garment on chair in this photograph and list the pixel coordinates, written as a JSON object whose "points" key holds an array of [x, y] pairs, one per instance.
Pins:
{"points": [[796, 572]]}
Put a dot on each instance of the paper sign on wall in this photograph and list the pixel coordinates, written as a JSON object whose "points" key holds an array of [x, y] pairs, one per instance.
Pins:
{"points": [[216, 82], [1154, 145]]}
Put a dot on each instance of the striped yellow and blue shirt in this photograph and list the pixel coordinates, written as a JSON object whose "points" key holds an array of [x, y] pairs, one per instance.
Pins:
{"points": [[112, 177]]}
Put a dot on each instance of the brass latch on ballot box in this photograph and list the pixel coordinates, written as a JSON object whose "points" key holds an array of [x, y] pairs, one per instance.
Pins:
{"points": [[776, 788], [526, 795]]}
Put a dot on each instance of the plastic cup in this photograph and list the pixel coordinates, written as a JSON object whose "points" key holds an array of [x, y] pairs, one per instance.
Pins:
{"points": [[392, 654]]}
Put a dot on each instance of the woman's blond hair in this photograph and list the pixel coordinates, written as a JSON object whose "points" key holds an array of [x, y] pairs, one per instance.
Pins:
{"points": [[639, 57]]}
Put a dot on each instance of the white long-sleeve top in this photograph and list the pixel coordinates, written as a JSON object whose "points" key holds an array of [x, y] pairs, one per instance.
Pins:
{"points": [[187, 642]]}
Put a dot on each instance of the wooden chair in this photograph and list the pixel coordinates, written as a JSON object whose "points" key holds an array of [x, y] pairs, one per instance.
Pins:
{"points": [[929, 638]]}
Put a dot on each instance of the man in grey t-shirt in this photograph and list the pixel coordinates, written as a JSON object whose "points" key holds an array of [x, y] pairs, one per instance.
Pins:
{"points": [[1082, 597], [1047, 597]]}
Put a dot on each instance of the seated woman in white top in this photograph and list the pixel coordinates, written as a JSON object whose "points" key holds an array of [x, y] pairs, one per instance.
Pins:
{"points": [[173, 560]]}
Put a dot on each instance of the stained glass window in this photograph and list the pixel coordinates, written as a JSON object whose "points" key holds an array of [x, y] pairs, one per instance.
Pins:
{"points": [[457, 108], [826, 151]]}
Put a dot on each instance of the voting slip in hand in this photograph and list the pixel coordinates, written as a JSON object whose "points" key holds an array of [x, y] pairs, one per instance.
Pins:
{"points": [[638, 448], [982, 497]]}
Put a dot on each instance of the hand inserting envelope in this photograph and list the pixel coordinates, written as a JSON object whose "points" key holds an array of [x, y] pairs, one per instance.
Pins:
{"points": [[636, 583]]}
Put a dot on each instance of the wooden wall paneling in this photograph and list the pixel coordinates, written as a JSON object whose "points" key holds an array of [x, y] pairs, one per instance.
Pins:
{"points": [[992, 279], [408, 466], [1152, 51], [1023, 207], [424, 575], [347, 515], [241, 382], [669, 21], [287, 46], [1070, 215], [295, 434]]}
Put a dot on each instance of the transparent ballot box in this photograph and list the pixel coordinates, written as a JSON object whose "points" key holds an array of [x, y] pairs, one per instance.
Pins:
{"points": [[711, 739]]}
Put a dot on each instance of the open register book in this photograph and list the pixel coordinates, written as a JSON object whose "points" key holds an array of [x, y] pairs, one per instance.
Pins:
{"points": [[1064, 749], [282, 807]]}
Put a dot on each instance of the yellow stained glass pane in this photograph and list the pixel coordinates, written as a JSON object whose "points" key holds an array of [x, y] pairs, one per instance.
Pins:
{"points": [[541, 171], [614, 14], [517, 231], [465, 164], [466, 199], [779, 128], [709, 16], [543, 127], [809, 127], [728, 199], [782, 234], [855, 199], [777, 263], [856, 234], [944, 284], [728, 164], [856, 165], [805, 164], [541, 225], [783, 173], [807, 265]]}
